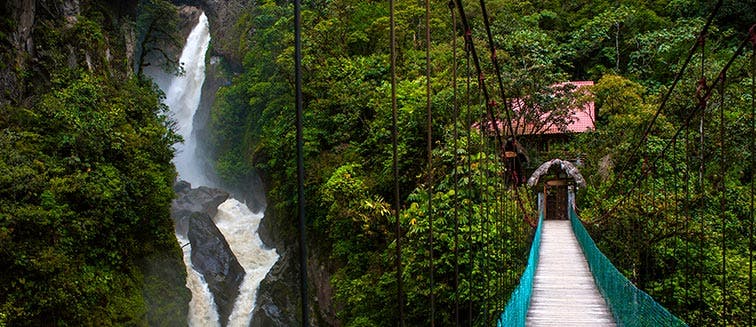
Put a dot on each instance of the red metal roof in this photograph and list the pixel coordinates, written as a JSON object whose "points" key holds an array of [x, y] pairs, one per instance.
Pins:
{"points": [[582, 119]]}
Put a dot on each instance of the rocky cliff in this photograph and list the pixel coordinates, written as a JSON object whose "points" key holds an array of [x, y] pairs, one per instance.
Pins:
{"points": [[46, 48]]}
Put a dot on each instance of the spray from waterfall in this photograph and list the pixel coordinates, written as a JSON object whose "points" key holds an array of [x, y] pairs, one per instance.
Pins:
{"points": [[235, 221]]}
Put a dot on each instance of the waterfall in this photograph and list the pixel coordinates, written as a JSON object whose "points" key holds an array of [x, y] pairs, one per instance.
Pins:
{"points": [[183, 97], [239, 226], [235, 221]]}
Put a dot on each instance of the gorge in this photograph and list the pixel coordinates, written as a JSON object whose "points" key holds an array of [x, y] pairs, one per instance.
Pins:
{"points": [[223, 284]]}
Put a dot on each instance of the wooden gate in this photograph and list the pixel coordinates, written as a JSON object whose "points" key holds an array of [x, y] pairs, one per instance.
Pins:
{"points": [[556, 199]]}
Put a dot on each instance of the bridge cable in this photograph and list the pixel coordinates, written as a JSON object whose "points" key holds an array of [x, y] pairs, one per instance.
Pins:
{"points": [[702, 140], [470, 184], [482, 85], [430, 158], [708, 89], [512, 132], [395, 168], [498, 249], [667, 95], [497, 70], [300, 161], [455, 105], [723, 193], [485, 199], [677, 211], [687, 213], [752, 32]]}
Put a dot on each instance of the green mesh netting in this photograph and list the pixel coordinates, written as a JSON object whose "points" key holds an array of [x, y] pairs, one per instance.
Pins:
{"points": [[630, 306], [516, 311]]}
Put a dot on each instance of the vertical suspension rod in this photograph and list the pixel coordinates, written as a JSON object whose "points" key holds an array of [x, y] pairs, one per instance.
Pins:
{"points": [[701, 158], [723, 194], [395, 168], [300, 161], [753, 164], [430, 158], [752, 34], [470, 283], [456, 177]]}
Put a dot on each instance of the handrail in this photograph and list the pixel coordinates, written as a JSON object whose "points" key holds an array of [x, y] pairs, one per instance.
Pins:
{"points": [[630, 306], [516, 311]]}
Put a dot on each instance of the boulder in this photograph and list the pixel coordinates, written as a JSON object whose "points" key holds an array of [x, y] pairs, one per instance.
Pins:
{"points": [[212, 257], [194, 200]]}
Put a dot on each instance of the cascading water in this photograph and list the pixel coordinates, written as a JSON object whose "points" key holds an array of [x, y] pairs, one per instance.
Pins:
{"points": [[239, 226], [235, 221], [183, 97]]}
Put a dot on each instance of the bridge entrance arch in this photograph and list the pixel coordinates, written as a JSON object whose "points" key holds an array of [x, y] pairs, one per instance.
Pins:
{"points": [[557, 178]]}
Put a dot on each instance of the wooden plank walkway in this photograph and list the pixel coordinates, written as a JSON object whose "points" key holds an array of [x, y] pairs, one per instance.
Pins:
{"points": [[564, 293]]}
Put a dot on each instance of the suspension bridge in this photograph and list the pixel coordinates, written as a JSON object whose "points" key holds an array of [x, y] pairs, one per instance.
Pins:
{"points": [[567, 280]]}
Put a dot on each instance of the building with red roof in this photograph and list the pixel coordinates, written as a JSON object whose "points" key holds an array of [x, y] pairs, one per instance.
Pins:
{"points": [[579, 118], [539, 128]]}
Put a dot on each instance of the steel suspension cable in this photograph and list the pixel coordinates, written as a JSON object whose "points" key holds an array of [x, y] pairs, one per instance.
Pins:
{"points": [[723, 194], [456, 176], [482, 85], [470, 185], [300, 161], [707, 91], [430, 158], [678, 76], [483, 180], [499, 238], [484, 228], [395, 168], [701, 158], [687, 212], [497, 70], [512, 132], [752, 33], [476, 61], [676, 209]]}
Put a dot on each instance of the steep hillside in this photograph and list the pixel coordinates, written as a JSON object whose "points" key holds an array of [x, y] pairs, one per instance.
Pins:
{"points": [[85, 171]]}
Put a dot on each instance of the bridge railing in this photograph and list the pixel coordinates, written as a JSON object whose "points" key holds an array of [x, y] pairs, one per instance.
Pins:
{"points": [[516, 311], [629, 305]]}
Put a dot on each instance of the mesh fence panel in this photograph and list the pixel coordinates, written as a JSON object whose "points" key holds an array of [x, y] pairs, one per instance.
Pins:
{"points": [[630, 306], [516, 311]]}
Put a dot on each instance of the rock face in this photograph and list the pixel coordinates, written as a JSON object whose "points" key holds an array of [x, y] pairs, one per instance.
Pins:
{"points": [[192, 212], [212, 257], [278, 296], [223, 15], [198, 200], [278, 302]]}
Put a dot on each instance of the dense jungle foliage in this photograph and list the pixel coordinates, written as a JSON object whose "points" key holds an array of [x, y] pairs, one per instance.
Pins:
{"points": [[631, 49], [86, 237]]}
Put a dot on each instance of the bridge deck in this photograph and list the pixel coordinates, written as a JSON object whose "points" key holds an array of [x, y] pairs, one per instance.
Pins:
{"points": [[564, 293]]}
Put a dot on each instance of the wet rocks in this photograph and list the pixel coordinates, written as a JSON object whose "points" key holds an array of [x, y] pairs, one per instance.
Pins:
{"points": [[194, 200], [212, 257]]}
